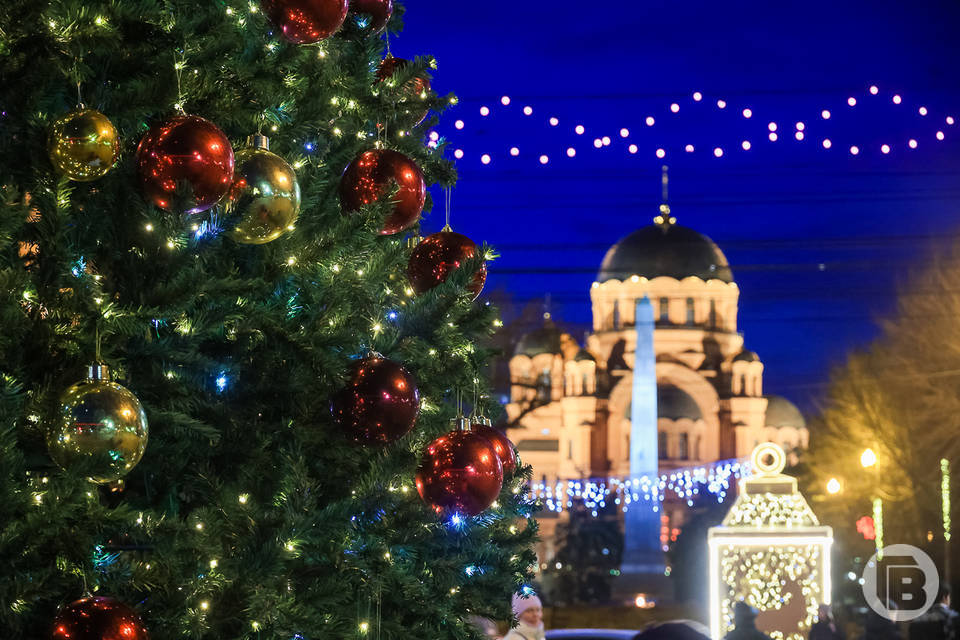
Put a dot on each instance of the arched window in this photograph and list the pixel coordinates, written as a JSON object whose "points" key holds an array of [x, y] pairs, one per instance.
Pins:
{"points": [[665, 310], [662, 445], [691, 315], [713, 314], [584, 390], [743, 384], [616, 314], [683, 450], [570, 449]]}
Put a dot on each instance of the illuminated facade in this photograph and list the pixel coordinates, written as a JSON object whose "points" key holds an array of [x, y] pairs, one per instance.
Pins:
{"points": [[770, 552], [572, 403]]}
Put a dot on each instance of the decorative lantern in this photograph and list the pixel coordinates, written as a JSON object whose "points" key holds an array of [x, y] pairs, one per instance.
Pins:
{"points": [[770, 552]]}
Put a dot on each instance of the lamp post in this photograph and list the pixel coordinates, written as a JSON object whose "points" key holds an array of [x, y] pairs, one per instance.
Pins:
{"points": [[868, 460]]}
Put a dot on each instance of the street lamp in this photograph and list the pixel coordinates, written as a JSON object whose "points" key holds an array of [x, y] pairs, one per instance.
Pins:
{"points": [[868, 460]]}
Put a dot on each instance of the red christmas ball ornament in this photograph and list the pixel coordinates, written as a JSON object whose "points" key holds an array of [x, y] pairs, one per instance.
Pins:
{"points": [[185, 149], [371, 14], [374, 174], [410, 106], [501, 444], [380, 403], [437, 256], [306, 21], [460, 473], [98, 618]]}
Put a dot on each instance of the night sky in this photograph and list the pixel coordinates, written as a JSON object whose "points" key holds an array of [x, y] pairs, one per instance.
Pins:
{"points": [[818, 239]]}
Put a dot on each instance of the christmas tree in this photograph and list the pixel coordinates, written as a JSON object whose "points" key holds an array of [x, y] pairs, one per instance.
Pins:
{"points": [[220, 376]]}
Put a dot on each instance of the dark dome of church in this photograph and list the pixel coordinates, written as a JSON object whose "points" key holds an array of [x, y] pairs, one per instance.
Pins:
{"points": [[747, 356], [675, 403], [783, 413], [546, 339], [660, 250]]}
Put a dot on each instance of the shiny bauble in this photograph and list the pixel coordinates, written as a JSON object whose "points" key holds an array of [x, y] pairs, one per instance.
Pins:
{"points": [[371, 15], [185, 149], [410, 107], [379, 404], [460, 473], [306, 21], [98, 618], [83, 144], [378, 173], [101, 428], [265, 195], [501, 444], [436, 257]]}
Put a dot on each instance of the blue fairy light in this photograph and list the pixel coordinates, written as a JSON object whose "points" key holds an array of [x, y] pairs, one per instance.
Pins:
{"points": [[222, 381], [308, 146], [79, 267]]}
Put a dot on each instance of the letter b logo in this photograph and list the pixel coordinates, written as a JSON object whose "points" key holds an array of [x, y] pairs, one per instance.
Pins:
{"points": [[901, 583]]}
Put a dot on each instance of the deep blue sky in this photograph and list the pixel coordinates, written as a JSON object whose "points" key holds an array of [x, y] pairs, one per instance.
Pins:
{"points": [[779, 211]]}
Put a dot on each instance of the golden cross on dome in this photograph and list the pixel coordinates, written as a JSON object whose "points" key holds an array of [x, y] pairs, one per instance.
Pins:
{"points": [[664, 219]]}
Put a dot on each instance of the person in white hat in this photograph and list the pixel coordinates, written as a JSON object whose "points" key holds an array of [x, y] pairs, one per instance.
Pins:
{"points": [[529, 613]]}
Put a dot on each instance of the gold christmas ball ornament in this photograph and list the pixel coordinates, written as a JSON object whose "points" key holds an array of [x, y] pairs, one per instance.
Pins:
{"points": [[102, 428], [83, 144], [265, 196]]}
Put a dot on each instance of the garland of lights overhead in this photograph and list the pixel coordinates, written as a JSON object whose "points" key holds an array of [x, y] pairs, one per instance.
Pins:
{"points": [[774, 131]]}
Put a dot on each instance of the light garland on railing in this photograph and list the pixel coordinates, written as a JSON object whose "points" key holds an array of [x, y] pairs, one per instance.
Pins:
{"points": [[683, 484], [772, 132]]}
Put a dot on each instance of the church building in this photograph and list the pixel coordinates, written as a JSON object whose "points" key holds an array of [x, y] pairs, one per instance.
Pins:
{"points": [[571, 403]]}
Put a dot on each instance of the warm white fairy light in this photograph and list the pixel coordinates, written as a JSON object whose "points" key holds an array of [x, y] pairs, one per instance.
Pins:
{"points": [[606, 141], [505, 100], [624, 133], [459, 124], [697, 96], [897, 99], [555, 121], [571, 152], [874, 90], [675, 108], [485, 158], [528, 111], [458, 154], [721, 104], [800, 126], [746, 145], [748, 113], [940, 135], [852, 101], [912, 143], [514, 151], [484, 110], [597, 142], [825, 114], [922, 111], [718, 152], [854, 150], [579, 129], [798, 135], [688, 148], [885, 148], [770, 552], [544, 159], [633, 148], [827, 143], [661, 153], [949, 119]]}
